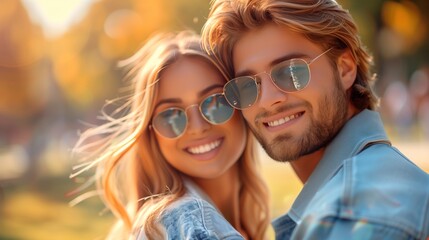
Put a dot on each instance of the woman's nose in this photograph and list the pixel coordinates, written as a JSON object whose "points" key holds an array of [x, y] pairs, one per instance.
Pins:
{"points": [[196, 123]]}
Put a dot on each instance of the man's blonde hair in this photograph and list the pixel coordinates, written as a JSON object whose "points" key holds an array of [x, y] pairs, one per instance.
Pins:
{"points": [[323, 22]]}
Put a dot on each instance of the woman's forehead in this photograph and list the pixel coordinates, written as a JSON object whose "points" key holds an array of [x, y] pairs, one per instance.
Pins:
{"points": [[188, 76]]}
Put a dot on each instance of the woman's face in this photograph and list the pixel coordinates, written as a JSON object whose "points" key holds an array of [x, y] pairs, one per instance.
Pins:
{"points": [[204, 150]]}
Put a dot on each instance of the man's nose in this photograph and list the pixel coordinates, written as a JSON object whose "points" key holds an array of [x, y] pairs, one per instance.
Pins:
{"points": [[270, 94]]}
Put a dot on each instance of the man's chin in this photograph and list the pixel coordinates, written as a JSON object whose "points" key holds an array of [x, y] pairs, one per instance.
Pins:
{"points": [[286, 149], [283, 148], [283, 156], [282, 151]]}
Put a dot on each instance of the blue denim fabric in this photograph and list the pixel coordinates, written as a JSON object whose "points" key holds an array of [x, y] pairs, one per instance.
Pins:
{"points": [[194, 217], [341, 228], [284, 227], [362, 188]]}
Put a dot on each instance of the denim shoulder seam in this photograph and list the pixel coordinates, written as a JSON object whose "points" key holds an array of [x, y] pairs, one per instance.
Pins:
{"points": [[425, 232], [206, 220], [347, 197], [346, 203]]}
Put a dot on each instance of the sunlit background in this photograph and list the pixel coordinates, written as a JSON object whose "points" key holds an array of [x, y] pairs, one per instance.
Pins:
{"points": [[58, 65]]}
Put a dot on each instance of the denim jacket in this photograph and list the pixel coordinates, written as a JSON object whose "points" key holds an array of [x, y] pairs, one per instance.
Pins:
{"points": [[362, 188], [194, 216]]}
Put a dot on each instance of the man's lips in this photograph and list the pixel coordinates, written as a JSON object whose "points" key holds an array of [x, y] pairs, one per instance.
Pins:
{"points": [[282, 120]]}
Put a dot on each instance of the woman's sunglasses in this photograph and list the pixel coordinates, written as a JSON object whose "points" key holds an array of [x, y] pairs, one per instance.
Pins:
{"points": [[289, 76], [171, 123]]}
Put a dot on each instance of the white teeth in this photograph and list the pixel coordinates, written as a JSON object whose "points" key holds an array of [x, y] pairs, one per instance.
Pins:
{"points": [[282, 120], [204, 148]]}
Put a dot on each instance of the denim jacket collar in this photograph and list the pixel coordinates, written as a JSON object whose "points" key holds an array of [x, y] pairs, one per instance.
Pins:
{"points": [[363, 129], [195, 191]]}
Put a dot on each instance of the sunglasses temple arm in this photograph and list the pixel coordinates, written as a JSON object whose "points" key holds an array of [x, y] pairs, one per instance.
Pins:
{"points": [[314, 59]]}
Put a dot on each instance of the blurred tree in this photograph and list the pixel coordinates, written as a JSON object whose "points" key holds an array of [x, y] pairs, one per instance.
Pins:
{"points": [[22, 63], [85, 58], [394, 29], [397, 33], [30, 102], [81, 65]]}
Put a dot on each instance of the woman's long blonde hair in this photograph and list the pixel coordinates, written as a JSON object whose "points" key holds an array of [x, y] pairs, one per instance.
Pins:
{"points": [[133, 178]]}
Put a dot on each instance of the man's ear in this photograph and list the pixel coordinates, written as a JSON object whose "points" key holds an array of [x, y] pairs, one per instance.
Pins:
{"points": [[347, 69]]}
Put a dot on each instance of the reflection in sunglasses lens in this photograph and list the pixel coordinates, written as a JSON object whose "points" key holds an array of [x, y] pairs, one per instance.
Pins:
{"points": [[241, 92], [216, 109], [171, 123], [291, 76]]}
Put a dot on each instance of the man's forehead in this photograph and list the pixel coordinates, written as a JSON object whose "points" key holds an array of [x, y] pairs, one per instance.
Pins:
{"points": [[261, 47]]}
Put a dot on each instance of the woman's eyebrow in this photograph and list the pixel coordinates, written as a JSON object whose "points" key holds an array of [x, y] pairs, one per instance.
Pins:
{"points": [[209, 89], [179, 100], [168, 101]]}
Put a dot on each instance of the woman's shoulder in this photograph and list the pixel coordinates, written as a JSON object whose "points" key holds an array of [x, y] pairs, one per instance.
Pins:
{"points": [[189, 202], [191, 217], [189, 210]]}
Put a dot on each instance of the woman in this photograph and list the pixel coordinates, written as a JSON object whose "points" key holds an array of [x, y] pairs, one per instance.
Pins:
{"points": [[179, 163]]}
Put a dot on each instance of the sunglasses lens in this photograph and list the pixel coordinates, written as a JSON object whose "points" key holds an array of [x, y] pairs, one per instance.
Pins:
{"points": [[291, 76], [241, 92], [170, 123], [216, 109]]}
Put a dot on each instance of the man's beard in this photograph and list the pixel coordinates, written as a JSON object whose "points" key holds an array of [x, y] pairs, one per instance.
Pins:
{"points": [[332, 117]]}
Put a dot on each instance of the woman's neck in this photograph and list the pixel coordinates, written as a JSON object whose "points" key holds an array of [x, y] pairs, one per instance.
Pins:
{"points": [[224, 191]]}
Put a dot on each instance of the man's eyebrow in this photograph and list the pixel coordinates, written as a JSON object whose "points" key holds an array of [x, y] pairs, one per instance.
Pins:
{"points": [[249, 72], [179, 100]]}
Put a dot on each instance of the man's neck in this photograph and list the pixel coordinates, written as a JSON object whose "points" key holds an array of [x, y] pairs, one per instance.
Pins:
{"points": [[305, 165]]}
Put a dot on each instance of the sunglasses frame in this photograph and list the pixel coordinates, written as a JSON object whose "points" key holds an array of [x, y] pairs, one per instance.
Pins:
{"points": [[151, 125], [257, 81]]}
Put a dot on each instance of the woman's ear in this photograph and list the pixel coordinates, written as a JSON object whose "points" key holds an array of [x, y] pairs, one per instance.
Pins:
{"points": [[347, 69]]}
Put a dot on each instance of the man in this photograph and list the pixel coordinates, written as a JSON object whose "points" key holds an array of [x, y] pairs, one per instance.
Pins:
{"points": [[301, 78]]}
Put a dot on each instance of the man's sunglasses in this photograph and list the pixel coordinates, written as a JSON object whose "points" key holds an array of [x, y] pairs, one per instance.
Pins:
{"points": [[171, 123], [289, 76]]}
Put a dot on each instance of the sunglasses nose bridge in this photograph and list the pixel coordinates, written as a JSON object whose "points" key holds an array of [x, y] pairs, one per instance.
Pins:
{"points": [[197, 114], [264, 73], [190, 106], [269, 75], [196, 119]]}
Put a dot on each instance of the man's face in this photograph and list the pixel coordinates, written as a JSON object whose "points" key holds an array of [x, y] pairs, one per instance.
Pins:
{"points": [[290, 125]]}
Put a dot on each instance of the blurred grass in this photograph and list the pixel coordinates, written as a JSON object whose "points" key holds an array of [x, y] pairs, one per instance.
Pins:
{"points": [[39, 210]]}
